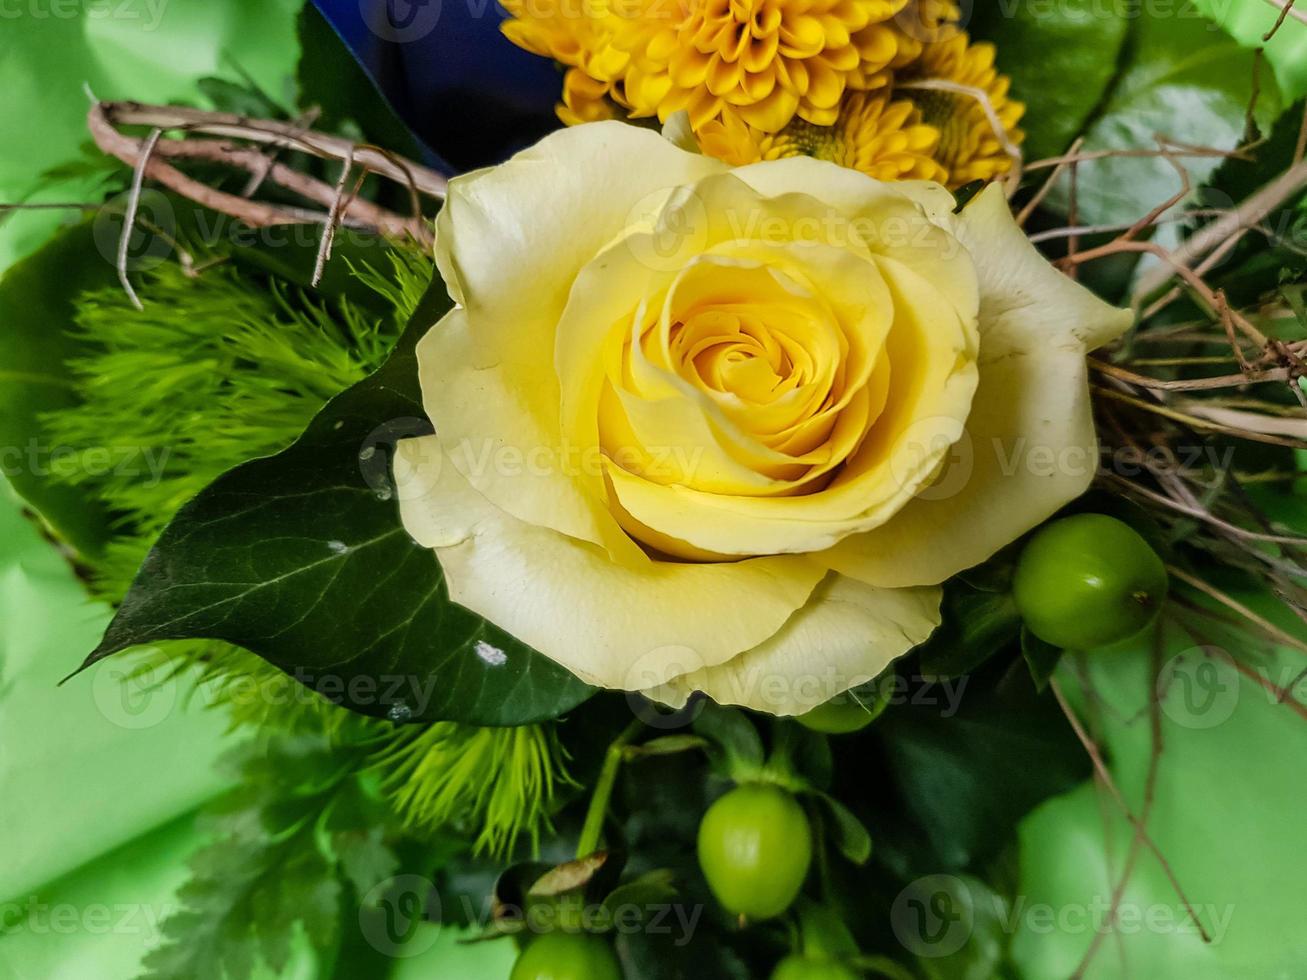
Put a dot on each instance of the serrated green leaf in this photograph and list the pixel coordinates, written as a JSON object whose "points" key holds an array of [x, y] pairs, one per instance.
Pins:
{"points": [[302, 559]]}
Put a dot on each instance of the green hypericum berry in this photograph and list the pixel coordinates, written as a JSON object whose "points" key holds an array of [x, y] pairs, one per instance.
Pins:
{"points": [[1088, 581], [755, 846], [567, 956], [805, 968], [838, 716]]}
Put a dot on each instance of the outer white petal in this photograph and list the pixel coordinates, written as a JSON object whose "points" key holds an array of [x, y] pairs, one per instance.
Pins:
{"points": [[845, 635], [1030, 446], [611, 625], [1029, 449], [1026, 305]]}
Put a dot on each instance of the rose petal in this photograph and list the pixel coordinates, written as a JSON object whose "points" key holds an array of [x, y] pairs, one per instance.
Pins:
{"points": [[845, 635], [537, 219], [612, 626]]}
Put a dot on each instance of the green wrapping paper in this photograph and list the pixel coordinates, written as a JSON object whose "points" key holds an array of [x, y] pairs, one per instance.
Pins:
{"points": [[84, 769], [1226, 815], [152, 49]]}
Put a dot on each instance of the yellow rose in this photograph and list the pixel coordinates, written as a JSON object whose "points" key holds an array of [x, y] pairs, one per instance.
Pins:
{"points": [[727, 430]]}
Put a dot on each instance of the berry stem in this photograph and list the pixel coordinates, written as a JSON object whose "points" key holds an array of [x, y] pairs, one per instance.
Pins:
{"points": [[593, 829]]}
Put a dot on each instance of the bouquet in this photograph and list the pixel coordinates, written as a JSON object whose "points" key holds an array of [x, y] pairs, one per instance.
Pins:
{"points": [[711, 532]]}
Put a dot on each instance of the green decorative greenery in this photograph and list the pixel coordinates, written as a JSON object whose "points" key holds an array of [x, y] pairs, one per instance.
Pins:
{"points": [[299, 829], [312, 604], [218, 368]]}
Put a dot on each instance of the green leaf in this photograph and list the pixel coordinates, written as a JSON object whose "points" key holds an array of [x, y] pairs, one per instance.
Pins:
{"points": [[1060, 92], [1249, 21], [847, 831], [36, 341], [1184, 79], [959, 779], [301, 558], [666, 745], [823, 934], [1042, 658], [1257, 265], [800, 758], [267, 872], [736, 748], [330, 78], [975, 626], [645, 893]]}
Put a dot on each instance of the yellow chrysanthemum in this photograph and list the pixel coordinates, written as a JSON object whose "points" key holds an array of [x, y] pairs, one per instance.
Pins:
{"points": [[579, 37], [969, 146], [765, 59], [884, 139], [922, 23]]}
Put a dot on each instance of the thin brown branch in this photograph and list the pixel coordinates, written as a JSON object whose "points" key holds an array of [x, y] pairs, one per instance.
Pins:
{"points": [[1191, 384], [1249, 213], [360, 213], [1185, 273], [333, 216], [1267, 628], [1193, 421], [1173, 148], [271, 131], [1038, 198], [1200, 514], [1286, 8]]}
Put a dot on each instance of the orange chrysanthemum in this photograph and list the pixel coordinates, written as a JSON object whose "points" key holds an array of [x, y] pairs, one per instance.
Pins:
{"points": [[884, 139]]}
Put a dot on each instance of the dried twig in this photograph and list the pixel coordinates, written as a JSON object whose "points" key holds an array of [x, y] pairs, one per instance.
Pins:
{"points": [[270, 131], [1249, 213], [1038, 198], [129, 217], [1286, 8], [333, 216], [257, 214], [1105, 776]]}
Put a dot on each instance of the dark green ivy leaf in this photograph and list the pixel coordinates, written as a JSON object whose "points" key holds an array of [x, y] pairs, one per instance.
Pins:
{"points": [[302, 559], [976, 625]]}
